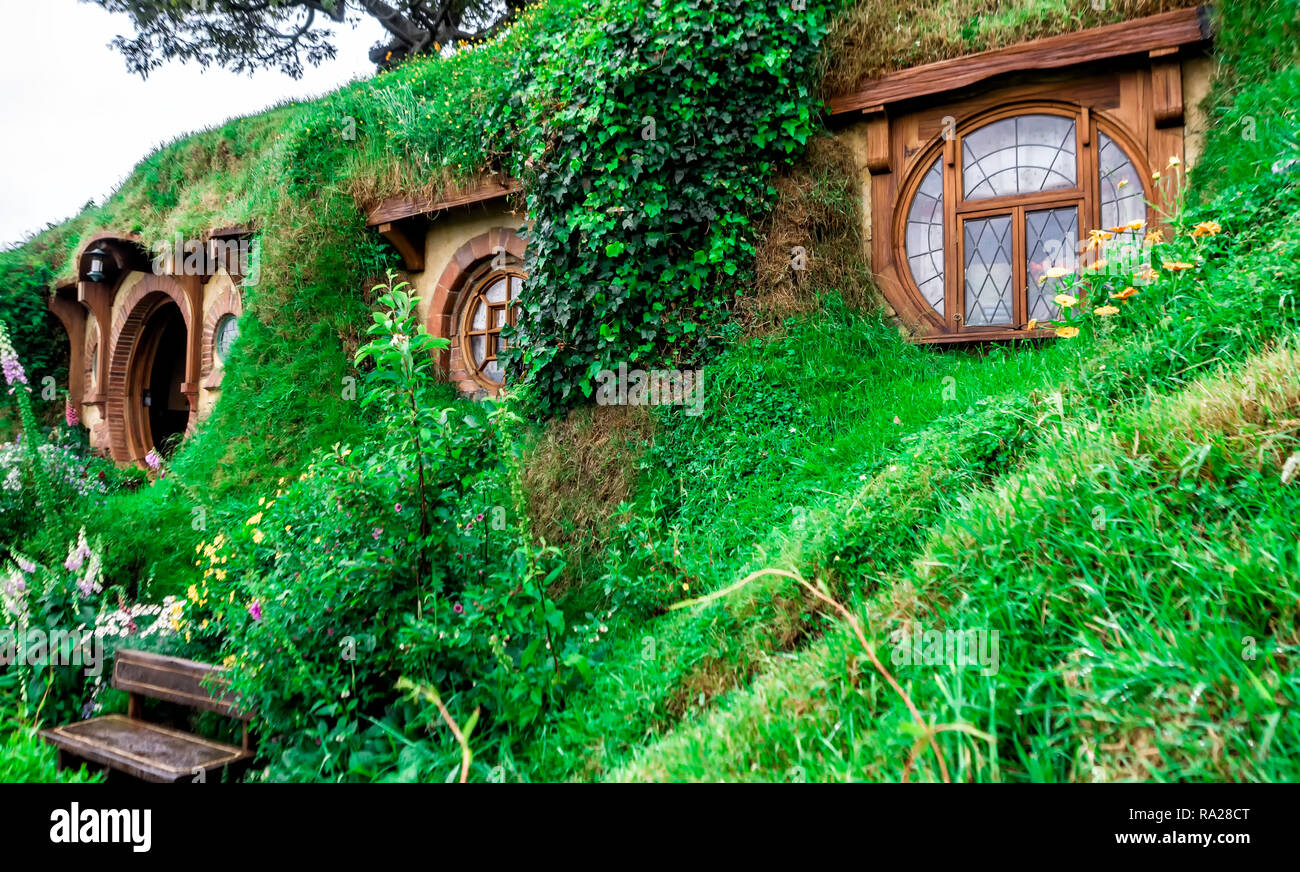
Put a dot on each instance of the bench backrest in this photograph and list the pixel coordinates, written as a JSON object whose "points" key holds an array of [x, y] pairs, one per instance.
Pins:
{"points": [[174, 679]]}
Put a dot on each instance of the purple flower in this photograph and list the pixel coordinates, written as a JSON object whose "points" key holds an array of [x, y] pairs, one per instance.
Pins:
{"points": [[255, 611], [13, 370], [152, 460], [26, 565]]}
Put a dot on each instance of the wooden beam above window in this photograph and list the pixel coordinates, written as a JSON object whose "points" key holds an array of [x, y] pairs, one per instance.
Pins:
{"points": [[397, 208], [1169, 30]]}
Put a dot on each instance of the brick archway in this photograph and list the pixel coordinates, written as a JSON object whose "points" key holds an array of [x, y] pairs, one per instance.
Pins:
{"points": [[126, 440], [469, 261]]}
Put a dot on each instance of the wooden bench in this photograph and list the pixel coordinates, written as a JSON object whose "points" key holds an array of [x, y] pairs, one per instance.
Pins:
{"points": [[150, 751]]}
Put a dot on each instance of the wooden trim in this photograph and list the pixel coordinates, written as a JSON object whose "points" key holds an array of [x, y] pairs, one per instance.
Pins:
{"points": [[1183, 27], [410, 245], [878, 161], [1166, 90], [397, 208], [144, 768]]}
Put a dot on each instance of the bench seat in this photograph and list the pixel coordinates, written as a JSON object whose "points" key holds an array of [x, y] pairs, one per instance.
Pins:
{"points": [[144, 750]]}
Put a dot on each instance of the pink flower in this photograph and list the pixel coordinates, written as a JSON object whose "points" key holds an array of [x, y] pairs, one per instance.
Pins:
{"points": [[897, 420], [458, 609], [255, 611], [374, 534], [397, 507], [152, 460], [70, 414]]}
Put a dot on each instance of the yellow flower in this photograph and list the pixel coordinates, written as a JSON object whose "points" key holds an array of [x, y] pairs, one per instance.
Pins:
{"points": [[261, 500], [1173, 161], [256, 519], [1156, 175], [1125, 294], [1067, 332], [1177, 265], [193, 593], [1135, 224], [1106, 311], [1056, 272], [1032, 325], [1154, 236], [1103, 235], [258, 536], [1099, 263], [221, 575], [1207, 228], [1065, 301], [220, 540], [198, 548]]}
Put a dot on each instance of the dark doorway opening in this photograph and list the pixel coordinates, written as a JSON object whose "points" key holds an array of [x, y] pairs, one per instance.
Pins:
{"points": [[166, 406]]}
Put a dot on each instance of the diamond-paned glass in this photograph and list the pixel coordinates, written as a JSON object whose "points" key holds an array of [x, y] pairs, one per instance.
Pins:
{"points": [[1050, 239], [989, 272]]}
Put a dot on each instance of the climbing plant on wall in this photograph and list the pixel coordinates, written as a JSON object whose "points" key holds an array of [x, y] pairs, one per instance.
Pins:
{"points": [[647, 144]]}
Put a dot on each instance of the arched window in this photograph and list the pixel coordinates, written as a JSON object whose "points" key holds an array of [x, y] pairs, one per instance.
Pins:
{"points": [[488, 306], [1003, 200], [224, 336]]}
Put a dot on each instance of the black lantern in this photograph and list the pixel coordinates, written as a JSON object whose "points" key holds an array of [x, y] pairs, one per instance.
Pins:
{"points": [[96, 271]]}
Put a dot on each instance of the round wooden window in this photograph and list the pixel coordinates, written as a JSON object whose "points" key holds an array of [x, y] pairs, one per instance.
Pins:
{"points": [[489, 307], [985, 231], [226, 333]]}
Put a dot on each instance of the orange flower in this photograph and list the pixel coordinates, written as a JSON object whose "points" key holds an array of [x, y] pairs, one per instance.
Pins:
{"points": [[1207, 228], [1103, 235], [1176, 265], [1125, 294], [1067, 332], [1147, 275], [1106, 311], [1154, 236], [1032, 325]]}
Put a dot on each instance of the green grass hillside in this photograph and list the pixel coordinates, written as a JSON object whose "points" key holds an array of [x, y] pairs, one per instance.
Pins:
{"points": [[624, 594]]}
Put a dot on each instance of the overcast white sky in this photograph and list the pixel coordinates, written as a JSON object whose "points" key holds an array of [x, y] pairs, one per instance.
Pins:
{"points": [[76, 123]]}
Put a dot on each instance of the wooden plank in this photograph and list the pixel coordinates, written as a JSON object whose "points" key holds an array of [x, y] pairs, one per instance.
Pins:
{"points": [[397, 208], [1167, 90], [411, 249], [146, 751], [173, 679], [878, 143], [1141, 35]]}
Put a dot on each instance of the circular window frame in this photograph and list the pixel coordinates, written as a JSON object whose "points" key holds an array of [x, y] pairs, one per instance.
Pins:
{"points": [[475, 289], [920, 162], [227, 318]]}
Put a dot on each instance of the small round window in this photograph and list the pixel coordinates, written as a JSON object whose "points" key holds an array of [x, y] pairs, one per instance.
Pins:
{"points": [[491, 306], [225, 335]]}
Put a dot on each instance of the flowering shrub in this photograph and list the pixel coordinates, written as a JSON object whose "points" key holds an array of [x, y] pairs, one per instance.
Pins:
{"points": [[382, 560], [61, 624]]}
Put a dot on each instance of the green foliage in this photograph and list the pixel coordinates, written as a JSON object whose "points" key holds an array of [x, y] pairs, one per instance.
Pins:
{"points": [[647, 145]]}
